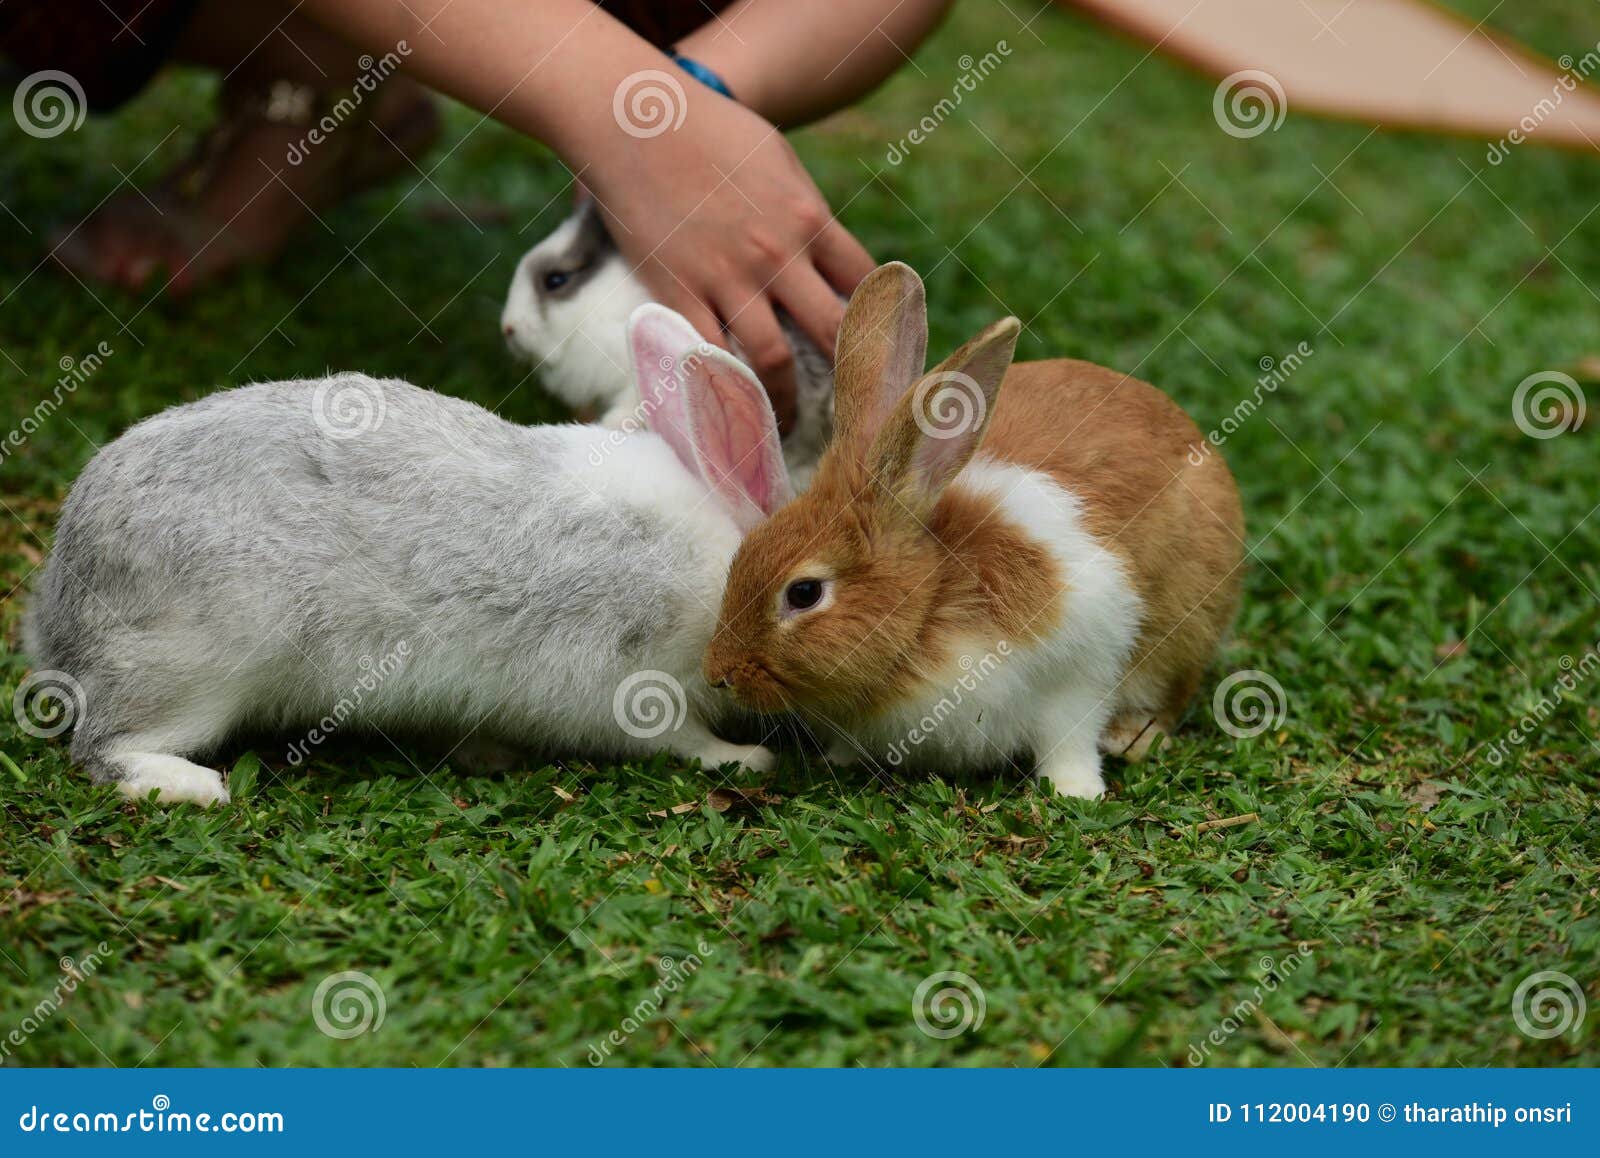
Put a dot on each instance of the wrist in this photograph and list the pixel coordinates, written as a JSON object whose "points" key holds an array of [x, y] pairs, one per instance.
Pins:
{"points": [[641, 121], [720, 54], [706, 76]]}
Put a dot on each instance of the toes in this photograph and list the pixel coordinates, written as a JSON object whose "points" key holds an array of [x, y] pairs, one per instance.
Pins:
{"points": [[758, 759], [204, 795], [754, 756], [1082, 783], [173, 779]]}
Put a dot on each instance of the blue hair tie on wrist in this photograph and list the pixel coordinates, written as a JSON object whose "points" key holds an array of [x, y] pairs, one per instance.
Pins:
{"points": [[703, 74]]}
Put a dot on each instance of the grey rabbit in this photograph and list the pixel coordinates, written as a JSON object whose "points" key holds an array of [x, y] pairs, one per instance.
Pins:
{"points": [[275, 553]]}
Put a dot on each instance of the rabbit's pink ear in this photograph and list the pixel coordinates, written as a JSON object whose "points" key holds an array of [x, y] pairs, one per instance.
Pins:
{"points": [[735, 435], [659, 340]]}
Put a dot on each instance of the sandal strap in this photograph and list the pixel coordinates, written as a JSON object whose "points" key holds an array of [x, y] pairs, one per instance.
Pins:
{"points": [[277, 102], [286, 103]]}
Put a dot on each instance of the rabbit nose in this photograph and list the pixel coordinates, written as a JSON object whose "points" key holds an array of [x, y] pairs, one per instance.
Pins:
{"points": [[718, 673], [509, 329]]}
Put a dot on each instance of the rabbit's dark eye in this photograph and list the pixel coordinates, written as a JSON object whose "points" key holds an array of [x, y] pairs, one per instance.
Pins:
{"points": [[555, 279], [803, 594]]}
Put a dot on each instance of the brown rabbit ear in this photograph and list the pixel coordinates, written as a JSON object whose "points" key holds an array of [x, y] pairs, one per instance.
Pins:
{"points": [[937, 427], [883, 341]]}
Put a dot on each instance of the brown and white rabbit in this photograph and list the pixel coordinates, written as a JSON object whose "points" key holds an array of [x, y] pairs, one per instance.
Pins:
{"points": [[975, 575]]}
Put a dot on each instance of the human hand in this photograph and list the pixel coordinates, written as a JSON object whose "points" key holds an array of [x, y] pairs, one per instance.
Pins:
{"points": [[724, 225]]}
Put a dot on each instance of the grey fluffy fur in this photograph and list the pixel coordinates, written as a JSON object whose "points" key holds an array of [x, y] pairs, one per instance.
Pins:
{"points": [[230, 563]]}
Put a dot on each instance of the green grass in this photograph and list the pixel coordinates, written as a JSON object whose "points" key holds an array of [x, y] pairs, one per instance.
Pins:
{"points": [[1395, 509]]}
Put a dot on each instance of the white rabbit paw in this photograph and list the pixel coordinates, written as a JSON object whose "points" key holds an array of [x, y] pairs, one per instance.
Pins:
{"points": [[176, 780], [1075, 777], [715, 753], [842, 753]]}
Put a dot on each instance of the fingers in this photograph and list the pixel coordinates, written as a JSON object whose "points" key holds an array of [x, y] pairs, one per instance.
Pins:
{"points": [[755, 327], [676, 296], [702, 318], [842, 259], [761, 341], [812, 303]]}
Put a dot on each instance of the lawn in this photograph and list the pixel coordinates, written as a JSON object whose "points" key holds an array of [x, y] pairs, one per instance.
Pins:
{"points": [[1420, 567]]}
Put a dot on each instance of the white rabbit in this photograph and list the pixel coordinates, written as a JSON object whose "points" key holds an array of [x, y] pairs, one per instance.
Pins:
{"points": [[365, 550], [567, 311]]}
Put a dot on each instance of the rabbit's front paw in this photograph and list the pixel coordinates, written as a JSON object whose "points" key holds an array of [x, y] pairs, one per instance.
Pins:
{"points": [[716, 753], [1077, 776], [842, 753]]}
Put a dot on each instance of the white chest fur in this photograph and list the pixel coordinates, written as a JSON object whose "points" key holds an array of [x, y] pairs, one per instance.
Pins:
{"points": [[1042, 699]]}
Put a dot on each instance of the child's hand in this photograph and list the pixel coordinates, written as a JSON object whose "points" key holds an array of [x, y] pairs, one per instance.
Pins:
{"points": [[724, 225]]}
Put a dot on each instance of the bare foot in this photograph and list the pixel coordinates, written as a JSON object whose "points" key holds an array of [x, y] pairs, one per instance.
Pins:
{"points": [[254, 180]]}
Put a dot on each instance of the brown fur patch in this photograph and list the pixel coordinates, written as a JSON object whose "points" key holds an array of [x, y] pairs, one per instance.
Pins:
{"points": [[1125, 449], [882, 344], [1010, 580]]}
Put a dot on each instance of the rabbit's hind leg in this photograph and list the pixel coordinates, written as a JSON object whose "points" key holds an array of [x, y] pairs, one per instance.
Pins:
{"points": [[1131, 735], [137, 771], [140, 755], [136, 738]]}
